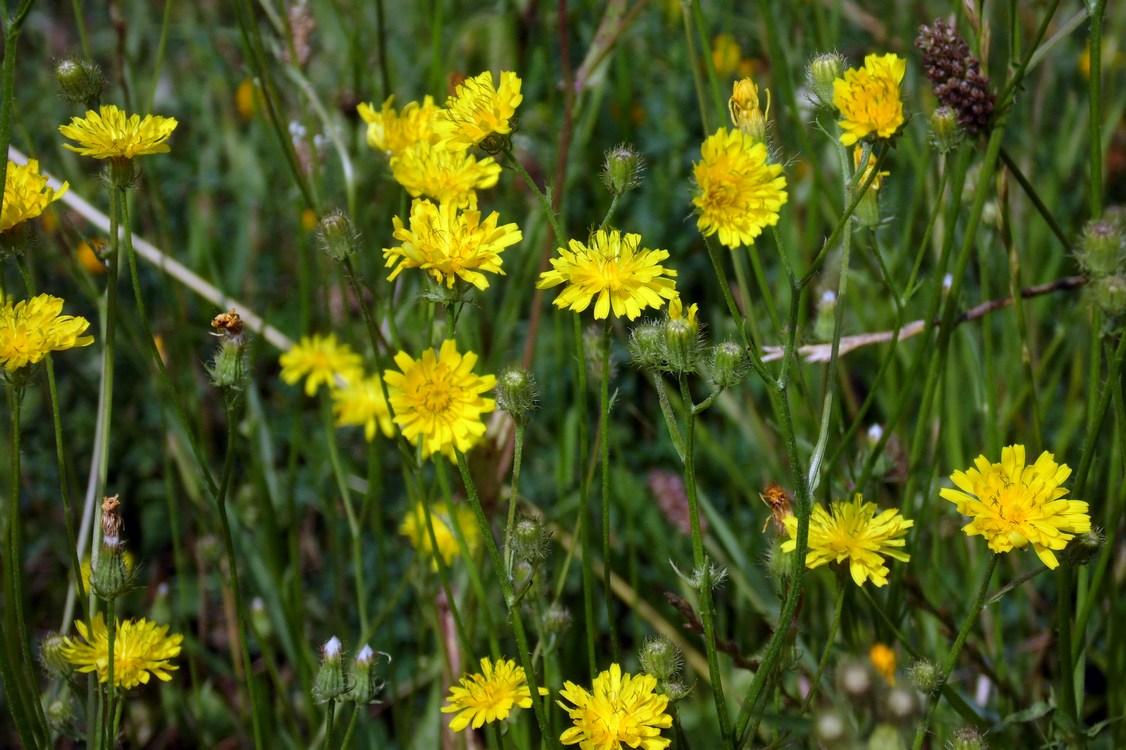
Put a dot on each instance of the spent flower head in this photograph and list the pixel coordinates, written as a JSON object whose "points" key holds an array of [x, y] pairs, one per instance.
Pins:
{"points": [[26, 194], [869, 99], [141, 650], [620, 710], [110, 134], [1014, 505], [479, 109], [489, 695], [738, 192]]}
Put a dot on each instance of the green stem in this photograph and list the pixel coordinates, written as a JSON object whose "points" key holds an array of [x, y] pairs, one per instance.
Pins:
{"points": [[695, 63], [354, 530], [351, 728], [952, 658], [514, 496], [816, 683], [111, 692], [584, 512], [1094, 86], [330, 715], [604, 449]]}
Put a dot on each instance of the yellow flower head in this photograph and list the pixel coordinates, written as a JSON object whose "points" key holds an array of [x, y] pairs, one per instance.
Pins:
{"points": [[361, 402], [1013, 505], [883, 661], [437, 399], [31, 328], [860, 178], [450, 244], [739, 191], [140, 649], [478, 109], [868, 98], [446, 174], [746, 114], [109, 134], [394, 132], [726, 55], [625, 277], [414, 528], [489, 695], [26, 194], [854, 533], [621, 711], [321, 359]]}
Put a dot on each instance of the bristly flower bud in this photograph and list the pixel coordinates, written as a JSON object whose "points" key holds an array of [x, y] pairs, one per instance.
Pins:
{"points": [[647, 346], [661, 658], [229, 367], [51, 656], [946, 133], [1083, 548], [330, 682], [956, 76], [556, 620], [621, 172], [336, 235], [715, 575], [362, 677], [823, 70], [924, 676], [80, 81], [676, 689], [62, 710], [682, 337], [1110, 294], [729, 364], [110, 577], [1103, 250], [967, 738], [531, 540], [517, 393]]}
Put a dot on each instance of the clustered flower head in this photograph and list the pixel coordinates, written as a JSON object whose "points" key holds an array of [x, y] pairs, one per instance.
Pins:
{"points": [[26, 194], [1014, 505], [869, 99], [739, 192], [141, 649], [612, 270], [415, 528], [853, 532], [489, 695], [320, 360], [31, 329], [437, 399], [449, 175], [110, 134], [394, 132], [621, 710], [479, 109], [450, 244]]}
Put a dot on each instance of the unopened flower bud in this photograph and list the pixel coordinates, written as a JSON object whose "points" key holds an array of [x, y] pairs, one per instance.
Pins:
{"points": [[822, 72], [778, 563], [229, 368], [361, 675], [825, 320], [517, 393], [661, 658], [924, 676], [746, 112], [337, 236], [1110, 294], [109, 573], [1083, 548], [709, 573], [61, 711], [729, 364], [557, 620], [51, 656], [260, 618], [621, 172], [79, 81], [647, 346], [675, 689], [1103, 250], [330, 683], [681, 345], [946, 133], [531, 540], [967, 738]]}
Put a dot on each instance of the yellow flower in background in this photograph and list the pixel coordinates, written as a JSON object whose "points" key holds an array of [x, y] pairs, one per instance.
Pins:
{"points": [[489, 695], [248, 99], [621, 710], [394, 132], [853, 532], [320, 359], [88, 254], [109, 134], [738, 191], [727, 57], [883, 661], [437, 399], [141, 649], [868, 98], [450, 244], [746, 113], [26, 194], [1013, 505], [445, 174], [613, 269], [30, 329], [361, 403], [479, 109], [414, 528]]}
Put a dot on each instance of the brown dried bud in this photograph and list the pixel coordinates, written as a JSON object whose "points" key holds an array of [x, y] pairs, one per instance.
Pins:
{"points": [[111, 521], [227, 325]]}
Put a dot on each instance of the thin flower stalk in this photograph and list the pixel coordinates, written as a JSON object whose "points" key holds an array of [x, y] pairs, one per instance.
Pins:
{"points": [[815, 683], [604, 450], [354, 522]]}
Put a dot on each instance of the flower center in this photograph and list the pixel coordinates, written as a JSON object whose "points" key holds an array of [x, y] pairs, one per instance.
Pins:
{"points": [[435, 397]]}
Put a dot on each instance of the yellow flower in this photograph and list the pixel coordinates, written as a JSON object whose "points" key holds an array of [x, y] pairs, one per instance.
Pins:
{"points": [[445, 174], [437, 399], [853, 532], [489, 695], [613, 267], [141, 649], [450, 244], [726, 55], [30, 329], [622, 711], [394, 132], [478, 109], [414, 528], [857, 157], [322, 359], [1013, 505], [361, 402], [746, 114], [883, 660], [739, 191], [677, 311], [248, 99], [109, 134], [26, 194], [868, 98]]}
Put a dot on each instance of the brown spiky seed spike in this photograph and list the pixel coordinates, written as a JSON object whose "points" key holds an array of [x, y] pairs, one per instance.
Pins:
{"points": [[955, 75]]}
